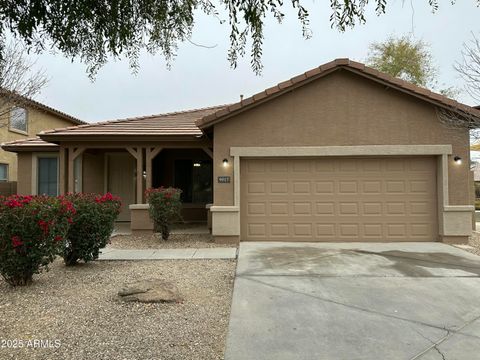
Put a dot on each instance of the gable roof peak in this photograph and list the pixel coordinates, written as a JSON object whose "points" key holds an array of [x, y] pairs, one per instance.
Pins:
{"points": [[327, 68], [26, 101]]}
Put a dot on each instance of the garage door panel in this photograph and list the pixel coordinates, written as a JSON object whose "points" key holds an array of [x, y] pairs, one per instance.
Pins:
{"points": [[325, 208], [335, 199], [279, 230], [325, 187], [279, 208], [301, 187]]}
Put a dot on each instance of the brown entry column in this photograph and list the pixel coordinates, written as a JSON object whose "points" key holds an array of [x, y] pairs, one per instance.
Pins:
{"points": [[73, 153], [150, 154], [137, 153]]}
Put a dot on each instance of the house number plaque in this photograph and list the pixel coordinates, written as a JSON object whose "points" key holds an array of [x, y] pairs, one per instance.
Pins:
{"points": [[224, 179]]}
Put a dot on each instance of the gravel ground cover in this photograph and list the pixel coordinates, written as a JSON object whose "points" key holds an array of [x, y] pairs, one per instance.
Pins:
{"points": [[474, 242], [154, 241], [80, 308]]}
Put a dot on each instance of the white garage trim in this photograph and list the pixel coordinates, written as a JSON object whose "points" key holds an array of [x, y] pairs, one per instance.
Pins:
{"points": [[362, 150]]}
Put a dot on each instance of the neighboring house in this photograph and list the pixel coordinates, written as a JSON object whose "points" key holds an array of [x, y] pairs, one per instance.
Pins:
{"points": [[476, 172], [22, 121], [339, 153]]}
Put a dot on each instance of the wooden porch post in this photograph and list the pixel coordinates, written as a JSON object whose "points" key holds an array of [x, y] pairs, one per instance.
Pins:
{"points": [[150, 154], [138, 155], [62, 170], [73, 153]]}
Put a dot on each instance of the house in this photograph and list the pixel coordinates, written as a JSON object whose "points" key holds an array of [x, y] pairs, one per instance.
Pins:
{"points": [[476, 172], [20, 119], [339, 153]]}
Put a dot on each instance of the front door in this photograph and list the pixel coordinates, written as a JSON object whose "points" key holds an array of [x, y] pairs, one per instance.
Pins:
{"points": [[121, 181]]}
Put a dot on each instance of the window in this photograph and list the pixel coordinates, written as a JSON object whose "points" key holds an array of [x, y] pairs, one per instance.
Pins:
{"points": [[47, 176], [18, 119], [194, 178], [3, 172]]}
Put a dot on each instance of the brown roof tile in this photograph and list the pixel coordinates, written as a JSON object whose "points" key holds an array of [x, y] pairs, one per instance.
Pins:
{"points": [[325, 69], [175, 123], [29, 145]]}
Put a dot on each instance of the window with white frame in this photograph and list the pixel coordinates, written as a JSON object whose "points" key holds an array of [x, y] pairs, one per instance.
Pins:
{"points": [[18, 119], [3, 172], [47, 175]]}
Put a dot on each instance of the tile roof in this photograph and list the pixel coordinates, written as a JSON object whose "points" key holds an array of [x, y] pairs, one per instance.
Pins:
{"points": [[175, 123], [39, 105], [28, 145], [325, 69]]}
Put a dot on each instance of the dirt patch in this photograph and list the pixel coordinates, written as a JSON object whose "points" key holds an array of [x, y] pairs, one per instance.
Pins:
{"points": [[154, 241], [79, 307]]}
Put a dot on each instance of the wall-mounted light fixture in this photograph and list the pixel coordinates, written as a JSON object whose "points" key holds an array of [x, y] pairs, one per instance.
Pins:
{"points": [[225, 162], [458, 160], [196, 164]]}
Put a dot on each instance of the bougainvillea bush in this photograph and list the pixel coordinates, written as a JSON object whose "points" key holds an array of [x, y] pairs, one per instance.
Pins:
{"points": [[165, 208], [32, 229], [92, 226]]}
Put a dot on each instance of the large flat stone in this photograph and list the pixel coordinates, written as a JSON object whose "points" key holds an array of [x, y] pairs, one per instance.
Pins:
{"points": [[150, 291]]}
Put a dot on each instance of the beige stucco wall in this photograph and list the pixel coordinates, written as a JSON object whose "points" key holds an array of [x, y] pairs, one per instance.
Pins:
{"points": [[340, 109], [93, 177], [24, 182], [37, 121]]}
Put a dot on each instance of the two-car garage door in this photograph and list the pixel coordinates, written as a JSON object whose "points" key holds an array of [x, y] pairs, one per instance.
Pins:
{"points": [[339, 199]]}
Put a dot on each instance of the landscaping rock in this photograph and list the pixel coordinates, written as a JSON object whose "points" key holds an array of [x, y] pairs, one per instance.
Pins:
{"points": [[150, 291]]}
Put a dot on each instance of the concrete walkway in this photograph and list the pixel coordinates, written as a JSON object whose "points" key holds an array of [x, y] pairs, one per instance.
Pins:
{"points": [[327, 301], [168, 254]]}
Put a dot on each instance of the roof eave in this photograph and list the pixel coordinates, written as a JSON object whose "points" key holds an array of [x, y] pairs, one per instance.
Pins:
{"points": [[26, 148], [56, 138]]}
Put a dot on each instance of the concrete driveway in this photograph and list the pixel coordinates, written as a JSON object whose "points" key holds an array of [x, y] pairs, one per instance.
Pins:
{"points": [[355, 301]]}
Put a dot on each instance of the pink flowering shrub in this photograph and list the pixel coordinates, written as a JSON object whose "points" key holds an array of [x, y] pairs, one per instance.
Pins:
{"points": [[165, 208], [32, 229], [92, 226]]}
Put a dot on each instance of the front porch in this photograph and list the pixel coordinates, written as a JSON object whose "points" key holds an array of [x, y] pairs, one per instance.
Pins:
{"points": [[127, 170]]}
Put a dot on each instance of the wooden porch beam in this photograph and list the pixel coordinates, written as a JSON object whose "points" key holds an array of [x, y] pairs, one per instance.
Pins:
{"points": [[208, 151], [133, 152]]}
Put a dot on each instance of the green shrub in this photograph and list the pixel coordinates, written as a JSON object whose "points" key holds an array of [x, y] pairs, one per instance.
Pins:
{"points": [[165, 208], [31, 232], [477, 190], [92, 226], [477, 204]]}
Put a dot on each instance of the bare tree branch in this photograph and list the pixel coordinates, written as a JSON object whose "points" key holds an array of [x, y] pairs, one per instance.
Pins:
{"points": [[456, 118], [19, 82], [469, 68]]}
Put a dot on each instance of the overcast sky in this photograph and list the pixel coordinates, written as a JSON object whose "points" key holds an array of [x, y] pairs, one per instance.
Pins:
{"points": [[202, 77]]}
